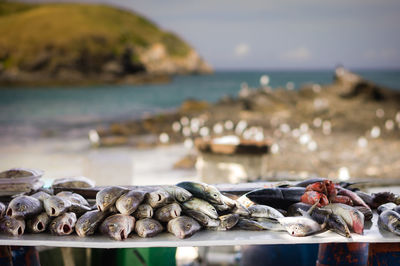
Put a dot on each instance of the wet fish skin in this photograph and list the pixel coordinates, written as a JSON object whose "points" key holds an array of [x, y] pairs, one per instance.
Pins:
{"points": [[265, 211], [2, 209], [158, 198], [240, 209], [338, 225], [78, 209], [180, 194], [202, 218], [389, 220], [201, 206], [63, 224], [143, 211], [88, 223], [148, 227], [106, 197], [56, 206], [231, 203], [168, 212], [128, 202], [367, 212], [24, 207], [269, 224], [276, 197], [73, 197], [367, 198], [386, 206], [118, 226], [248, 224], [353, 217], [39, 223], [357, 200], [183, 226], [202, 190], [228, 221], [12, 226], [300, 226]]}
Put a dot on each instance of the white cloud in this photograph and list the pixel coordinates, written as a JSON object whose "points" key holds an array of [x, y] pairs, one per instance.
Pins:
{"points": [[297, 54], [242, 49]]}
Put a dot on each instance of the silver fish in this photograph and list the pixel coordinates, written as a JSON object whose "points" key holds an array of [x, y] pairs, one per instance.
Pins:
{"points": [[78, 209], [24, 207], [247, 224], [390, 221], [55, 206], [118, 226], [300, 226], [128, 202], [168, 212], [386, 206], [240, 209], [88, 223], [264, 211], [159, 198], [106, 197], [183, 226], [41, 195], [148, 227], [63, 224], [143, 211], [228, 221], [39, 223], [180, 194], [269, 224], [201, 206], [12, 226], [73, 197], [203, 219], [203, 191], [353, 217]]}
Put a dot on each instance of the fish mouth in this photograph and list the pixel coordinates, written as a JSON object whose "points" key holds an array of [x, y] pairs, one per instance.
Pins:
{"points": [[175, 214], [9, 212], [159, 197], [19, 231], [100, 208], [53, 211], [122, 235], [40, 226], [66, 229]]}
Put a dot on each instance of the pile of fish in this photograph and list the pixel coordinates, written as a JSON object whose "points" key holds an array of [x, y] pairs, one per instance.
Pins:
{"points": [[19, 180], [307, 208]]}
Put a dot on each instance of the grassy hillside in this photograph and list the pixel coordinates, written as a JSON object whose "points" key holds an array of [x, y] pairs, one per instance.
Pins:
{"points": [[50, 37]]}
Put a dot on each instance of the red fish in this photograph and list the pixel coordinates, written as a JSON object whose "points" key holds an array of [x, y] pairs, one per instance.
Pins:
{"points": [[312, 197], [342, 199]]}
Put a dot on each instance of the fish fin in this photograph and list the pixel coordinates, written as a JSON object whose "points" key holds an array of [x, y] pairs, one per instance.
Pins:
{"points": [[304, 213], [312, 208]]}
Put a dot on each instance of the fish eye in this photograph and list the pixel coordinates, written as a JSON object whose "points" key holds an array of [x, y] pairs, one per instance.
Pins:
{"points": [[8, 223], [188, 226], [215, 195]]}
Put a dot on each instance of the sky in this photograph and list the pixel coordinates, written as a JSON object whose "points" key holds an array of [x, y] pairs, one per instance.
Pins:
{"points": [[281, 34]]}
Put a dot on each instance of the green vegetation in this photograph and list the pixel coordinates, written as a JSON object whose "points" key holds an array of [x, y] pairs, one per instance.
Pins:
{"points": [[47, 37]]}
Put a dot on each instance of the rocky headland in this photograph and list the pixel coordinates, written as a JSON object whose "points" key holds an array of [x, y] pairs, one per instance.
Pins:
{"points": [[75, 44]]}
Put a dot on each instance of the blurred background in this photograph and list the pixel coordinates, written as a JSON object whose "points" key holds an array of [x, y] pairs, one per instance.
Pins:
{"points": [[227, 91]]}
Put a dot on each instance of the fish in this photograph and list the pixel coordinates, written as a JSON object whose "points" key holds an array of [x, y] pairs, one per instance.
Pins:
{"points": [[311, 197], [2, 209], [202, 218], [41, 195], [310, 181], [240, 209], [39, 223], [128, 202], [159, 198], [248, 224], [333, 221], [353, 196], [55, 206], [300, 226], [118, 226], [269, 224], [231, 203], [24, 207], [21, 173], [148, 227], [276, 197], [353, 217], [228, 221], [342, 199], [397, 209], [74, 182], [73, 197], [183, 226], [168, 212], [386, 206], [201, 206], [143, 211], [88, 223], [180, 194], [367, 198], [106, 197], [63, 224], [203, 191], [221, 207], [12, 226], [390, 221], [264, 211]]}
